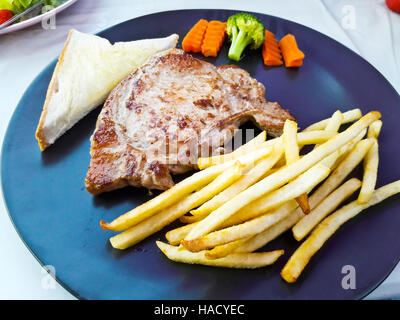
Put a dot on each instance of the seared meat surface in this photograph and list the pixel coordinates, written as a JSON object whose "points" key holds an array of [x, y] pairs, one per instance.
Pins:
{"points": [[168, 112]]}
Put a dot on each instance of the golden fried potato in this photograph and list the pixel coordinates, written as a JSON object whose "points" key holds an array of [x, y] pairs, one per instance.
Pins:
{"points": [[236, 260], [328, 227]]}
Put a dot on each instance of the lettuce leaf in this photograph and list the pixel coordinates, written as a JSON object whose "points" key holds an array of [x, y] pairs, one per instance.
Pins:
{"points": [[6, 5], [18, 6]]}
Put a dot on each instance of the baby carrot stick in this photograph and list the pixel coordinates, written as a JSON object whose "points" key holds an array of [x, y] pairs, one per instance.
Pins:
{"points": [[213, 39], [291, 53], [270, 51], [194, 38]]}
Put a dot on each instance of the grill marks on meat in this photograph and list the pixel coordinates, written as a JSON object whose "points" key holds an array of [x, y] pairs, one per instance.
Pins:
{"points": [[158, 119]]}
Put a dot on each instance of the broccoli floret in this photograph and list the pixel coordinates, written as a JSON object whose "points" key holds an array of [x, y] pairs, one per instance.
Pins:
{"points": [[243, 30]]}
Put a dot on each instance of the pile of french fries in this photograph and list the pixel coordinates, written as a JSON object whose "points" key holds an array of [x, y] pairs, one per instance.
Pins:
{"points": [[239, 202]]}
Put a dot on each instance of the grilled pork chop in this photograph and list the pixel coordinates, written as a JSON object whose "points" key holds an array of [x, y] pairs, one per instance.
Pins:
{"points": [[162, 116]]}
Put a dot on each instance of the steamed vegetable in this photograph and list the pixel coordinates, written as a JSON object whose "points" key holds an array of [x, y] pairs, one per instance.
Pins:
{"points": [[244, 30], [292, 55], [194, 38], [271, 52], [213, 39]]}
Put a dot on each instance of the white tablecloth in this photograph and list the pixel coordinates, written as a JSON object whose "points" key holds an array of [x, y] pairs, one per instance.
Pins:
{"points": [[365, 26]]}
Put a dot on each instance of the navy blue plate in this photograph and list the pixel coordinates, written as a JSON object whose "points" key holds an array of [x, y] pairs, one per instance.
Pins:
{"points": [[59, 220]]}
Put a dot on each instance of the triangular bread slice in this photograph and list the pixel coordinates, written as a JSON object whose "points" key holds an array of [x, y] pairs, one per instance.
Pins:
{"points": [[88, 68]]}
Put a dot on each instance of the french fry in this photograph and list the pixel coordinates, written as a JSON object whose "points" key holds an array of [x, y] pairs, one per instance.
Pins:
{"points": [[249, 229], [236, 260], [349, 116], [358, 138], [333, 125], [304, 138], [313, 137], [261, 239], [165, 199], [258, 241], [251, 158], [192, 219], [345, 150], [280, 177], [244, 182], [371, 163], [175, 236], [179, 191], [225, 249], [290, 141], [329, 161], [303, 183], [328, 227], [329, 204], [303, 202], [342, 171], [252, 145], [335, 121], [306, 181], [324, 190], [156, 222], [374, 129], [292, 155]]}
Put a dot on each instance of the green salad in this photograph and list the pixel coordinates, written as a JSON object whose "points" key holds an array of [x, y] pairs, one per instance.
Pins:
{"points": [[18, 6]]}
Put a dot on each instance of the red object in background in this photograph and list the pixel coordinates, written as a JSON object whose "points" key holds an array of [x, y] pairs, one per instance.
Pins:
{"points": [[393, 5], [5, 15]]}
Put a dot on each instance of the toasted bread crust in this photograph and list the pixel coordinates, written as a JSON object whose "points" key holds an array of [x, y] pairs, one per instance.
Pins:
{"points": [[43, 143]]}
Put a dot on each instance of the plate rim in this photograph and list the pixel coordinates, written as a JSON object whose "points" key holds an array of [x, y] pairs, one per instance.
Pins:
{"points": [[52, 62]]}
